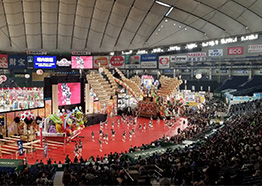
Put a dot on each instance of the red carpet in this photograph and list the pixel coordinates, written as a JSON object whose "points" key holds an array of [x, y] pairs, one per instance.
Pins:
{"points": [[92, 148]]}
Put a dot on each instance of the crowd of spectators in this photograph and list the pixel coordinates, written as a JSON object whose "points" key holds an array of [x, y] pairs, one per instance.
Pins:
{"points": [[244, 107], [39, 174]]}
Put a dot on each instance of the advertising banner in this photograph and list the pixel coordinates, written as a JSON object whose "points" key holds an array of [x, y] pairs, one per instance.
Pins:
{"points": [[235, 50], [196, 56], [20, 147], [101, 61], [117, 62], [47, 62], [132, 61], [82, 62], [215, 52], [3, 61], [63, 62], [255, 48], [17, 61], [163, 62], [178, 59], [149, 61]]}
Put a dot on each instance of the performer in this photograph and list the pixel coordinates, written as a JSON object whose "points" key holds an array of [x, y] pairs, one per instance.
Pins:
{"points": [[133, 131], [93, 136], [144, 127], [112, 124], [101, 125], [124, 136], [106, 138], [100, 144], [80, 146], [118, 122], [113, 134], [76, 150], [106, 124], [140, 126], [130, 135]]}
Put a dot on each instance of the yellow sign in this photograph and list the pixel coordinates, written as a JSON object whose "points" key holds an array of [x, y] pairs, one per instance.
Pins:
{"points": [[192, 103]]}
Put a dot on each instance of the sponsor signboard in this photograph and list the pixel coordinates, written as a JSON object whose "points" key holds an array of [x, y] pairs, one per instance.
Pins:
{"points": [[255, 48], [163, 62], [196, 56], [132, 61], [82, 62], [3, 61], [17, 61], [101, 61], [117, 62], [45, 62], [215, 52], [235, 50], [149, 61], [63, 62], [178, 59]]}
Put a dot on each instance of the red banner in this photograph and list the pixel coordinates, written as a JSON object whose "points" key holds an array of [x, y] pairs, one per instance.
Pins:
{"points": [[235, 50], [3, 61]]}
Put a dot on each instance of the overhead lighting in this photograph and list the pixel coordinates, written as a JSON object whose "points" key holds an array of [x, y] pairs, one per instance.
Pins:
{"points": [[191, 46], [174, 24], [156, 32], [161, 26], [179, 26], [159, 29], [186, 29], [127, 52], [173, 48], [163, 4], [156, 50], [249, 37], [112, 53], [141, 52], [166, 20], [170, 10], [228, 40]]}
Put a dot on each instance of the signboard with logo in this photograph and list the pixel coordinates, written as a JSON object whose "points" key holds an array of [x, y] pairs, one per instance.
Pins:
{"points": [[215, 52], [3, 61], [117, 62], [47, 62], [178, 59], [82, 62], [235, 50], [63, 62], [17, 61], [149, 61], [132, 61], [255, 48], [101, 61], [241, 71], [196, 56], [163, 62]]}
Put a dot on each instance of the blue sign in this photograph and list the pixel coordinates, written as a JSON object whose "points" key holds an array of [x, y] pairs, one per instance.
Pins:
{"points": [[20, 147], [17, 61], [149, 57], [44, 61]]}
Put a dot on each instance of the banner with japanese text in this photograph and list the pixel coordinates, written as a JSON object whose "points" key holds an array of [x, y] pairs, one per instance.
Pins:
{"points": [[17, 61]]}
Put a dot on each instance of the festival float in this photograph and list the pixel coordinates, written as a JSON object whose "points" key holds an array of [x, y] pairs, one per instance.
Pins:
{"points": [[62, 126]]}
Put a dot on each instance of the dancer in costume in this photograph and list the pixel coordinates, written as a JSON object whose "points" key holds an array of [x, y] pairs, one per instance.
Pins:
{"points": [[100, 145], [118, 122], [130, 135], [93, 136], [112, 124], [106, 138], [80, 147], [76, 150], [124, 136], [101, 125]]}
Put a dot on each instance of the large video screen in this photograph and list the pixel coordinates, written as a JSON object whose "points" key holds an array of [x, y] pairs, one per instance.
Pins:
{"points": [[82, 62], [69, 93]]}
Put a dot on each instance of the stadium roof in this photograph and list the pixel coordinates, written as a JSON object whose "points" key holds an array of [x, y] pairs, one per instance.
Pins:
{"points": [[116, 25]]}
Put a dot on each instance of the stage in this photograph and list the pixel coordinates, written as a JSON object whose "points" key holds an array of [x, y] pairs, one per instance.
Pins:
{"points": [[91, 148]]}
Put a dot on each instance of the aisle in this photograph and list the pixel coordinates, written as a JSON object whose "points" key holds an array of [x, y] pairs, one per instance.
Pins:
{"points": [[117, 145]]}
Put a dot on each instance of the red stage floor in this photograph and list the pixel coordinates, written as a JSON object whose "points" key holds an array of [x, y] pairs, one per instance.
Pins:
{"points": [[91, 148]]}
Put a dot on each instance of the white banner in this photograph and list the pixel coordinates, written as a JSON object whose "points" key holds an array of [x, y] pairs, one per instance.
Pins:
{"points": [[215, 52], [254, 48], [163, 62], [196, 56], [178, 59]]}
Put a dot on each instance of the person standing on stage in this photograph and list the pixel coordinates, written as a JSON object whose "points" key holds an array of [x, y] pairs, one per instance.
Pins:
{"points": [[106, 124], [80, 147], [100, 145], [93, 136], [140, 126], [76, 150], [133, 131], [100, 133], [118, 122], [144, 127], [112, 124], [113, 134], [124, 136], [106, 138], [130, 135], [101, 125]]}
